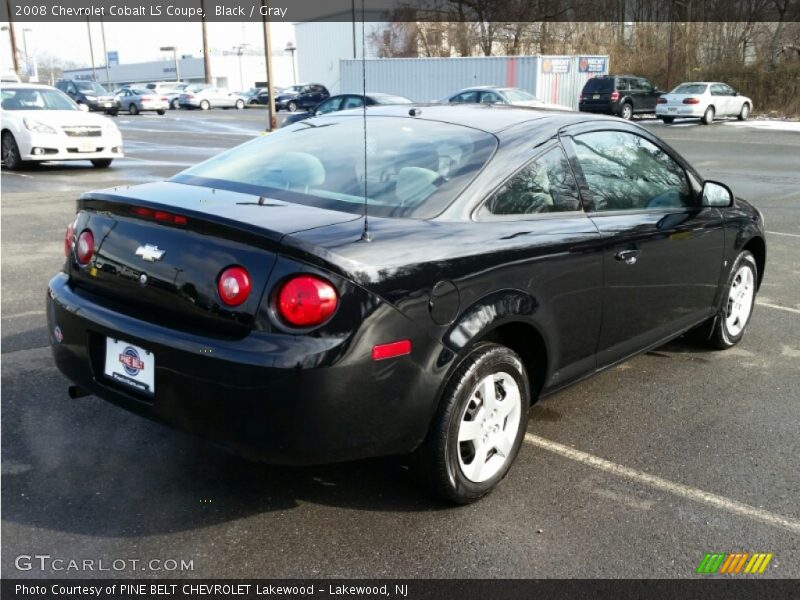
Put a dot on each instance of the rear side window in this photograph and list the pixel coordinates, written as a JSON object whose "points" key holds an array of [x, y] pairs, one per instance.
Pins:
{"points": [[625, 171], [599, 85], [352, 102], [413, 168], [546, 185]]}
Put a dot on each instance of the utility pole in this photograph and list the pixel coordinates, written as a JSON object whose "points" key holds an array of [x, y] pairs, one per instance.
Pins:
{"points": [[105, 53], [272, 124], [91, 48], [13, 38], [206, 58], [25, 30]]}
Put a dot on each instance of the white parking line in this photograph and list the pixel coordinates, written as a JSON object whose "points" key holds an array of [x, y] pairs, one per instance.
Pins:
{"points": [[797, 235], [779, 307], [30, 313], [677, 489]]}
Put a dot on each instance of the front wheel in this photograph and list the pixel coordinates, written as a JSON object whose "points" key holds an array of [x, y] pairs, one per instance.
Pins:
{"points": [[175, 104], [113, 113], [708, 116], [239, 104], [478, 428], [728, 326], [11, 155], [102, 163], [133, 109], [745, 112], [292, 106]]}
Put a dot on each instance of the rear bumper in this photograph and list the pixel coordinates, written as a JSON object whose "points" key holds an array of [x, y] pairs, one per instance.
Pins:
{"points": [[688, 110], [608, 108], [280, 398]]}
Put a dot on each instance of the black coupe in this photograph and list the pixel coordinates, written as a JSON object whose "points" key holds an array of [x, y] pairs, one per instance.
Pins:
{"points": [[505, 253]]}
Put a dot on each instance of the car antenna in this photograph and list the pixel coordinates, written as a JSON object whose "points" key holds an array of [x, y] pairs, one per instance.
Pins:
{"points": [[365, 235]]}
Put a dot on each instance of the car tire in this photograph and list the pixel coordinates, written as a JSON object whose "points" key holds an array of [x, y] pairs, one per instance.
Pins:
{"points": [[292, 106], [744, 113], [102, 163], [133, 109], [113, 113], [175, 104], [626, 112], [204, 105], [161, 112], [728, 326], [239, 104], [708, 116], [10, 152], [445, 465], [668, 120]]}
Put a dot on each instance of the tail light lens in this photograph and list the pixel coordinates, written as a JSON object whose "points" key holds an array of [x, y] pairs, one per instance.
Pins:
{"points": [[614, 96], [661, 101], [234, 285], [84, 248], [158, 215], [68, 239], [691, 101], [305, 301]]}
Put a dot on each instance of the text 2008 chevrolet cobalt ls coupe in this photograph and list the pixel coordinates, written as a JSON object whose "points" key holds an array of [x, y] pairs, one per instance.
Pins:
{"points": [[509, 253]]}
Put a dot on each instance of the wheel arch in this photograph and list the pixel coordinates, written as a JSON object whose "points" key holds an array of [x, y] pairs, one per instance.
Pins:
{"points": [[758, 248]]}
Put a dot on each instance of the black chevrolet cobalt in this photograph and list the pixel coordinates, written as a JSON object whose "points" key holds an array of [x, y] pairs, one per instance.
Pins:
{"points": [[505, 253]]}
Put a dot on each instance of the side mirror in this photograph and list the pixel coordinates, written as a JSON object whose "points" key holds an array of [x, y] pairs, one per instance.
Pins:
{"points": [[717, 194]]}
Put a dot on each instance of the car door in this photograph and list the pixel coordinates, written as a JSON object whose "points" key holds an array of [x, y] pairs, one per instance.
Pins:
{"points": [[662, 250], [734, 105], [648, 93], [720, 100], [535, 217]]}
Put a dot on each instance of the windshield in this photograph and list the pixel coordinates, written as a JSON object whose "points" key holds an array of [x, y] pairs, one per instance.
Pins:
{"points": [[414, 168], [515, 95], [391, 100], [599, 84], [90, 87], [33, 99], [690, 88]]}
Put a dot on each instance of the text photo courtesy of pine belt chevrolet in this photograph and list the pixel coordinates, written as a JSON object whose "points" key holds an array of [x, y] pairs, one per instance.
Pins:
{"points": [[40, 123], [508, 253]]}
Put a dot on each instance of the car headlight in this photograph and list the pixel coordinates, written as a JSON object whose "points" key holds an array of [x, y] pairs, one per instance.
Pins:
{"points": [[91, 98], [110, 127], [38, 127]]}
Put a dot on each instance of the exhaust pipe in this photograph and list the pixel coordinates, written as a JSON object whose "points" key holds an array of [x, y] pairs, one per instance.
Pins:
{"points": [[75, 392]]}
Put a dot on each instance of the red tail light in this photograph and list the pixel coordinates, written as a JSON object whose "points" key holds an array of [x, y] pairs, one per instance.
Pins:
{"points": [[164, 98], [691, 101], [614, 96], [233, 285], [661, 101], [68, 238], [158, 215], [84, 249], [305, 301]]}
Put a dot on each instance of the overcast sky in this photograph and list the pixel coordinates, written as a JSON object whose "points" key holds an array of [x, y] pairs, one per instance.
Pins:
{"points": [[137, 42]]}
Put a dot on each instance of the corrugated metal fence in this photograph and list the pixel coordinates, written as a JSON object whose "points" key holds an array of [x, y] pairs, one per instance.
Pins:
{"points": [[556, 79]]}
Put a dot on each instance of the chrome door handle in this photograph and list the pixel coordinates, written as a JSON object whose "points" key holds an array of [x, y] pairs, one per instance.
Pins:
{"points": [[629, 257]]}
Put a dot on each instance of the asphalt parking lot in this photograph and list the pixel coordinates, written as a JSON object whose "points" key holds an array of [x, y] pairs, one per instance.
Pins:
{"points": [[636, 472]]}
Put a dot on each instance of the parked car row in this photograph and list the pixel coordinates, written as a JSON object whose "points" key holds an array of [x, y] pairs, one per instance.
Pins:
{"points": [[628, 95]]}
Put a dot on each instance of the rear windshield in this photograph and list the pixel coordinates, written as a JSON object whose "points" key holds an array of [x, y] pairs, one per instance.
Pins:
{"points": [[599, 84], [414, 168], [690, 88], [517, 95]]}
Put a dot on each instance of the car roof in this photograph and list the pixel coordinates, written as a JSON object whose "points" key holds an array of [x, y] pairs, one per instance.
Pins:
{"points": [[489, 118], [28, 86]]}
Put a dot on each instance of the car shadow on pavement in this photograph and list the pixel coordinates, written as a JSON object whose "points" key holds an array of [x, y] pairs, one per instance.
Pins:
{"points": [[84, 466]]}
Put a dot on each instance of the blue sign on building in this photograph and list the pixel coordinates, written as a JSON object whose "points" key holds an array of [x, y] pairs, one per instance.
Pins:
{"points": [[112, 58]]}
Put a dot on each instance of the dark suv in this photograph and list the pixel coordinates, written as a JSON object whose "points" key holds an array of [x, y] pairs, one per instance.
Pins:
{"points": [[622, 95], [91, 94], [305, 96]]}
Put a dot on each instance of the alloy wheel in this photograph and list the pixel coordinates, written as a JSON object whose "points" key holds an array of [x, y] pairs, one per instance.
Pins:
{"points": [[488, 427]]}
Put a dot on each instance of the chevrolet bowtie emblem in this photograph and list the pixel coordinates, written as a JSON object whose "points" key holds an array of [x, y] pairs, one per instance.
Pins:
{"points": [[149, 252]]}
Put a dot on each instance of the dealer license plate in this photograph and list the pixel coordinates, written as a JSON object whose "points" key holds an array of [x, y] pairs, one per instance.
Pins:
{"points": [[130, 365], [672, 109]]}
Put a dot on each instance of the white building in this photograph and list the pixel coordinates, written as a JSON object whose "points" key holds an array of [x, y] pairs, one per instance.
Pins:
{"points": [[230, 72], [322, 44]]}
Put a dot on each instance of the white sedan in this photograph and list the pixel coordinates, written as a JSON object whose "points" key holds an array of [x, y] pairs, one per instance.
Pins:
{"points": [[704, 100], [41, 123]]}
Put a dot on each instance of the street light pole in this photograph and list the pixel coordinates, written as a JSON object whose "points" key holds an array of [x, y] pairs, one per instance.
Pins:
{"points": [[290, 47], [272, 123], [25, 48], [13, 37], [105, 54], [206, 58], [91, 48]]}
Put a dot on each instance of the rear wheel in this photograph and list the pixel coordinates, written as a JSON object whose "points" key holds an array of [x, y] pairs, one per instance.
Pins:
{"points": [[708, 116], [728, 326], [626, 112], [133, 109], [478, 428], [668, 120], [239, 104], [161, 112], [745, 112], [102, 163], [175, 105], [204, 105], [10, 152], [113, 113]]}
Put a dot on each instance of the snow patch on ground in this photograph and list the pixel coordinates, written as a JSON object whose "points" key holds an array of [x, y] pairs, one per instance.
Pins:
{"points": [[773, 124]]}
